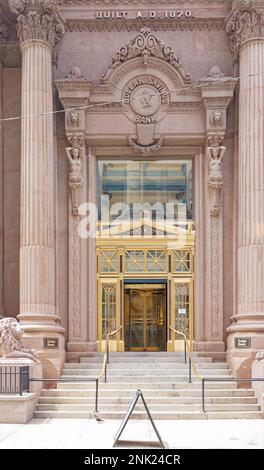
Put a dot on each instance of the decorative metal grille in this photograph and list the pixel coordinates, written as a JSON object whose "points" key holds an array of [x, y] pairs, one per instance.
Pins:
{"points": [[108, 308], [109, 261], [182, 261], [156, 261], [135, 261], [182, 308]]}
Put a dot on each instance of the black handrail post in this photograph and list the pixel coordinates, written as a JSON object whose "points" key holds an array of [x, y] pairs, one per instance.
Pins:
{"points": [[107, 350], [96, 396], [190, 371], [185, 351], [203, 395]]}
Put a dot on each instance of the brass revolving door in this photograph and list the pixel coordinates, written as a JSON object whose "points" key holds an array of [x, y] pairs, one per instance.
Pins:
{"points": [[145, 317]]}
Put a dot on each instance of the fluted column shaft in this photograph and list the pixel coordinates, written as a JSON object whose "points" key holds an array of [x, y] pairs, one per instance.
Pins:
{"points": [[39, 28], [251, 184], [37, 251]]}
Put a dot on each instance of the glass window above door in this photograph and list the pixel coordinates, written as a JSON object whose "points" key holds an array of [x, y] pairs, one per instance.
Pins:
{"points": [[124, 185]]}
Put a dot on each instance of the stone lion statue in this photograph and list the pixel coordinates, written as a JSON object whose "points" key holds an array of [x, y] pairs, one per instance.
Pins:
{"points": [[11, 345]]}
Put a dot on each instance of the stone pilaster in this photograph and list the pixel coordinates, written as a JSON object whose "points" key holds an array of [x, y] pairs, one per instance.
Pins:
{"points": [[74, 93], [245, 27], [39, 28], [217, 92]]}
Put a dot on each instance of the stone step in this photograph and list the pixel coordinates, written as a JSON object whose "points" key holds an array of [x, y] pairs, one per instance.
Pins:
{"points": [[147, 359], [156, 416], [134, 385], [166, 408], [142, 379], [192, 393], [164, 381], [151, 354], [144, 372], [160, 400], [146, 365]]}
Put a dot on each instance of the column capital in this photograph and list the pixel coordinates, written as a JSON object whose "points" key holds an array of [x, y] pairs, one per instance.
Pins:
{"points": [[244, 22], [38, 20]]}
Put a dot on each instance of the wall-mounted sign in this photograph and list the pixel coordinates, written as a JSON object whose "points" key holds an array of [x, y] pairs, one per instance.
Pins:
{"points": [[141, 14], [50, 343], [243, 343]]}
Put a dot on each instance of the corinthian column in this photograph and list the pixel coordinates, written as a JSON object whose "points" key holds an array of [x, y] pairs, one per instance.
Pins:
{"points": [[245, 27], [38, 27]]}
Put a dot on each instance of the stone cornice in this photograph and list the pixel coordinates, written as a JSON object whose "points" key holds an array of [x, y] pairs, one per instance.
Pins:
{"points": [[38, 20], [245, 22], [195, 24]]}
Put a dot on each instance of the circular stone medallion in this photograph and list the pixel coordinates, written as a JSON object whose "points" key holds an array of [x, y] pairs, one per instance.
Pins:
{"points": [[145, 100]]}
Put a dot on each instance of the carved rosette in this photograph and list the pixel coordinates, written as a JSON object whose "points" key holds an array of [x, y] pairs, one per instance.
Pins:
{"points": [[38, 20], [245, 21]]}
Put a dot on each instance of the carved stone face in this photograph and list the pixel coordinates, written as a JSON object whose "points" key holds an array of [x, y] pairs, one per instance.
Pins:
{"points": [[74, 118], [215, 153], [216, 118], [75, 153]]}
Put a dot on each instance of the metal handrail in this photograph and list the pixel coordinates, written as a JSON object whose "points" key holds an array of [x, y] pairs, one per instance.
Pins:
{"points": [[192, 364], [91, 379], [54, 379], [227, 379], [106, 354]]}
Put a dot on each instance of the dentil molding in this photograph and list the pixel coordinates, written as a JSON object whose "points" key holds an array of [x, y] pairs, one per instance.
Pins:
{"points": [[195, 24]]}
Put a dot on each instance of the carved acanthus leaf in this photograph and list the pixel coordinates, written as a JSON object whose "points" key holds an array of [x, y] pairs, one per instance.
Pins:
{"points": [[38, 20], [245, 21], [146, 45]]}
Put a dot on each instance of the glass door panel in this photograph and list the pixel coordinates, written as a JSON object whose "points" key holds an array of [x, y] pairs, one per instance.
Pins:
{"points": [[145, 318]]}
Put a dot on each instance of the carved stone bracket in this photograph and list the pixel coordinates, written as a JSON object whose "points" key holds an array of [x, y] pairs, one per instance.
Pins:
{"points": [[245, 21], [75, 153], [215, 153], [38, 20]]}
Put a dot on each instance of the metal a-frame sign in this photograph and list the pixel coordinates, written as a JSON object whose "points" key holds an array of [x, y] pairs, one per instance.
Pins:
{"points": [[128, 416]]}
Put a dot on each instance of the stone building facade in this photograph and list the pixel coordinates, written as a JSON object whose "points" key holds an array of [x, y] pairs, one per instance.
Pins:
{"points": [[105, 101]]}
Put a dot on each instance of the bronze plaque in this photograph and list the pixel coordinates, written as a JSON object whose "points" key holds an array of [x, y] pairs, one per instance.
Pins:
{"points": [[51, 343], [243, 343]]}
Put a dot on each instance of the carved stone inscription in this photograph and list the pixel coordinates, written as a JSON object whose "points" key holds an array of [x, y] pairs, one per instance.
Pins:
{"points": [[145, 94]]}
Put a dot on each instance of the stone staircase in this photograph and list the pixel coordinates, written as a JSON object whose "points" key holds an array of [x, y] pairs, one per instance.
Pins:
{"points": [[163, 378]]}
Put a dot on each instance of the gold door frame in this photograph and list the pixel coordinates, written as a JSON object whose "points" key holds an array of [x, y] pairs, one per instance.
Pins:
{"points": [[174, 266]]}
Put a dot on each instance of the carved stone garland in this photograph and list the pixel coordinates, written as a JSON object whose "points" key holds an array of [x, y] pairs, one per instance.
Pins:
{"points": [[76, 279]]}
